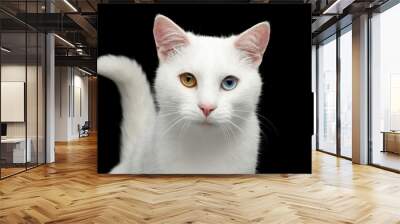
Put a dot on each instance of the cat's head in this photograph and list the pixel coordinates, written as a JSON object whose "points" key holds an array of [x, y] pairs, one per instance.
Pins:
{"points": [[204, 79]]}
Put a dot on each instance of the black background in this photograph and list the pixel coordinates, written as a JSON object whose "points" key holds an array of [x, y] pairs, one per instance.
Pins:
{"points": [[286, 99]]}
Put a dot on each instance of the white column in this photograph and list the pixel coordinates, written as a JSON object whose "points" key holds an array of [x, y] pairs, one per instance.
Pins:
{"points": [[360, 90], [50, 99], [50, 92]]}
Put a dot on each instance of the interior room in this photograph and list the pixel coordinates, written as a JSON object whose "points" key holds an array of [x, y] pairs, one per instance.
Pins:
{"points": [[49, 126], [22, 101]]}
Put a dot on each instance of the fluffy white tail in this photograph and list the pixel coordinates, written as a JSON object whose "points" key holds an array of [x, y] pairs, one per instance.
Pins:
{"points": [[138, 108]]}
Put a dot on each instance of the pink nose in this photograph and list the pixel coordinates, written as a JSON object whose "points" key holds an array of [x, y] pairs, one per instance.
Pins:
{"points": [[206, 108]]}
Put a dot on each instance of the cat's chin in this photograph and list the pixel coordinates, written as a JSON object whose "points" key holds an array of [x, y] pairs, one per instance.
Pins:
{"points": [[206, 123]]}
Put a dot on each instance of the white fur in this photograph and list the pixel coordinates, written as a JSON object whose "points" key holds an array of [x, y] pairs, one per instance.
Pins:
{"points": [[176, 139], [138, 112]]}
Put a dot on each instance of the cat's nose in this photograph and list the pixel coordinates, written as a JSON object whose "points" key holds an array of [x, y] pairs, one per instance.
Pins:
{"points": [[206, 109]]}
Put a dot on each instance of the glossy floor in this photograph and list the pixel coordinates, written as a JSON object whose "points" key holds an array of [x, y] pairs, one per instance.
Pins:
{"points": [[70, 191], [387, 159]]}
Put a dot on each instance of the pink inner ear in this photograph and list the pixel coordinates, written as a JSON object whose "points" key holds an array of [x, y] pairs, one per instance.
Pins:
{"points": [[254, 41], [168, 36]]}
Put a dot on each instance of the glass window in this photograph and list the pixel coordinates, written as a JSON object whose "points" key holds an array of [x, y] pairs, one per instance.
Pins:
{"points": [[313, 84], [346, 94], [327, 96], [15, 150], [31, 100], [385, 87], [22, 92]]}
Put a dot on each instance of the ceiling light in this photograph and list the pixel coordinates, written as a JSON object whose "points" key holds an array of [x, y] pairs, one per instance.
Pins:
{"points": [[70, 5], [5, 50], [65, 41], [337, 7], [84, 71]]}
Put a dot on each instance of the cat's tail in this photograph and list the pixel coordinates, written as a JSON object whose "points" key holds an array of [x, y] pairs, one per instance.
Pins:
{"points": [[138, 108]]}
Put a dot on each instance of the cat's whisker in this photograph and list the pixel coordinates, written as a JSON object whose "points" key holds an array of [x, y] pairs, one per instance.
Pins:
{"points": [[236, 126], [173, 120], [240, 117], [230, 134], [225, 136], [168, 103], [168, 108], [259, 121], [268, 124], [180, 130], [174, 123], [242, 110], [263, 135], [245, 111], [185, 126], [188, 122], [241, 131], [234, 135], [167, 114]]}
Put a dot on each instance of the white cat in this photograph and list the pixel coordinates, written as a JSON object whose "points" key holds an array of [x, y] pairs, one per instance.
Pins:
{"points": [[207, 91]]}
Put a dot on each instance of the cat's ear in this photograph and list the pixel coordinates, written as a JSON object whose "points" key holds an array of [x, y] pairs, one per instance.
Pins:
{"points": [[168, 36], [253, 42]]}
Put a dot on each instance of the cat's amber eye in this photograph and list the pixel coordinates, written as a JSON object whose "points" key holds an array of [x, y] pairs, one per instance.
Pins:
{"points": [[188, 80]]}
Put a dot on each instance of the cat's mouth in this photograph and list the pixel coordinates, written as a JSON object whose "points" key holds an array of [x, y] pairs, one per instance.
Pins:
{"points": [[206, 123]]}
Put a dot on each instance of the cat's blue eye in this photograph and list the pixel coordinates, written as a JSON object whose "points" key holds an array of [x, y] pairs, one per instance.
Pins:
{"points": [[229, 83]]}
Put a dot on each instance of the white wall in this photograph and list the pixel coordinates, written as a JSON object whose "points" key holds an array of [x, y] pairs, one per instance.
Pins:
{"points": [[82, 82], [71, 93], [16, 72], [62, 81], [33, 126], [79, 102]]}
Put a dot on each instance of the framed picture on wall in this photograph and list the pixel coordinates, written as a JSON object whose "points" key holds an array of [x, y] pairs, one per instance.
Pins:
{"points": [[13, 101], [189, 92]]}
